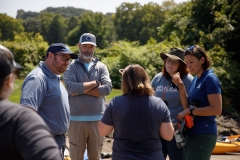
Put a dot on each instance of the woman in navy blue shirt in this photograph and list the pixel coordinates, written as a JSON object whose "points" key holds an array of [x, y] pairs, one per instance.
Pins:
{"points": [[204, 102], [138, 119]]}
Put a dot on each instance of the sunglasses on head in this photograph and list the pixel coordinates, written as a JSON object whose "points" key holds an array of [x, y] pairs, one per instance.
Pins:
{"points": [[199, 52], [191, 48]]}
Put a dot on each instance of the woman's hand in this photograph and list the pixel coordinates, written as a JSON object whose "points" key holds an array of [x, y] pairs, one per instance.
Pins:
{"points": [[176, 79], [183, 113]]}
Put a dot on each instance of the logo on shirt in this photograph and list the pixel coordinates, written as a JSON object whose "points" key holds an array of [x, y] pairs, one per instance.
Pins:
{"points": [[199, 86]]}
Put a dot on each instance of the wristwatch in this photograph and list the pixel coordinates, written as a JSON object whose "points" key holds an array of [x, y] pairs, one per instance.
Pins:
{"points": [[191, 108]]}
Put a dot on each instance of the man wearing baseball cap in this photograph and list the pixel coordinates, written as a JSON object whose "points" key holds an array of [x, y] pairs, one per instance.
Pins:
{"points": [[87, 81], [43, 91], [24, 135]]}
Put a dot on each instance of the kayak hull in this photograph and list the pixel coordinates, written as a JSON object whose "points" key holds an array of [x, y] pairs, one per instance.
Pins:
{"points": [[229, 145], [224, 147]]}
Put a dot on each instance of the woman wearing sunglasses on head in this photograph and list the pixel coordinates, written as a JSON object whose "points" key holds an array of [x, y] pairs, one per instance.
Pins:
{"points": [[169, 92], [204, 102]]}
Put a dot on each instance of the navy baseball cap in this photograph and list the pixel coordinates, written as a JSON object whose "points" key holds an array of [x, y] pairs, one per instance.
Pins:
{"points": [[88, 38], [62, 48], [7, 62]]}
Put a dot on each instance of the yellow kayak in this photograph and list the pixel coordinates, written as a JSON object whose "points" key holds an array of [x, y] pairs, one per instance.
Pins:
{"points": [[230, 144]]}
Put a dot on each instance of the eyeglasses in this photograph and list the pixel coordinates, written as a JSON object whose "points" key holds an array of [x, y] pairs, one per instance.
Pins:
{"points": [[64, 58], [169, 61]]}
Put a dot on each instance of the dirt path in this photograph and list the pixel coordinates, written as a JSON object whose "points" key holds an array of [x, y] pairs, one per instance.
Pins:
{"points": [[107, 148]]}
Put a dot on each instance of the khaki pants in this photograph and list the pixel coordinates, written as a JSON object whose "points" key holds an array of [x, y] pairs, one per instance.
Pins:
{"points": [[84, 135]]}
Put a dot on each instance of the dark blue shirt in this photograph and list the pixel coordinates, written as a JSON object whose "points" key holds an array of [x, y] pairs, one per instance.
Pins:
{"points": [[200, 88], [136, 123]]}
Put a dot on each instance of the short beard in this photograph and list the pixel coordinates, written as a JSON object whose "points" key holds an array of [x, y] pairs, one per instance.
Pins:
{"points": [[86, 57]]}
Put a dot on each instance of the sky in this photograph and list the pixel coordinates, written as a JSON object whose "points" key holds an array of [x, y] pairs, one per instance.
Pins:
{"points": [[10, 7]]}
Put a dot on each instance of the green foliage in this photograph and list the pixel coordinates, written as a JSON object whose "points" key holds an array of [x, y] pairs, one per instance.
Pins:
{"points": [[123, 53], [95, 23], [66, 12], [134, 22], [56, 31], [114, 93], [143, 31], [9, 26], [229, 74], [32, 25], [16, 94], [28, 50], [175, 21], [45, 18], [21, 14]]}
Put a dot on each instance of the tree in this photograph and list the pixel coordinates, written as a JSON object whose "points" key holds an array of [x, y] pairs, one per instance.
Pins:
{"points": [[32, 25], [45, 18], [8, 26], [233, 38], [73, 22], [97, 24], [174, 26], [125, 21], [151, 16], [56, 31], [138, 23]]}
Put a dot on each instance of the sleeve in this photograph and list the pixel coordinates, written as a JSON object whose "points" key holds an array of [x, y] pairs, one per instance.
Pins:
{"points": [[165, 112], [33, 139], [33, 91], [155, 80], [107, 116], [106, 84], [70, 80], [213, 84]]}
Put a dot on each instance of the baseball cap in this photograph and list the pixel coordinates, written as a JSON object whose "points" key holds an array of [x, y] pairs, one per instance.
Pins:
{"points": [[62, 48], [174, 53], [7, 62], [88, 38]]}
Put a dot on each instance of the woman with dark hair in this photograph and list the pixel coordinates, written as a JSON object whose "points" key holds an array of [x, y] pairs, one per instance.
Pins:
{"points": [[24, 135], [169, 92], [203, 101], [138, 118]]}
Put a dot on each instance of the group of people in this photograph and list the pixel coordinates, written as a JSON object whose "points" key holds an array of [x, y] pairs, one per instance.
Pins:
{"points": [[143, 118]]}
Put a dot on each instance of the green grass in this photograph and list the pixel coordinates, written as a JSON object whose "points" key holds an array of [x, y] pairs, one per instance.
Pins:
{"points": [[15, 97], [114, 93]]}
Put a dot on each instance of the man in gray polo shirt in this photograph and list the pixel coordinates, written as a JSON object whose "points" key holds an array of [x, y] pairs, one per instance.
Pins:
{"points": [[43, 91], [87, 81]]}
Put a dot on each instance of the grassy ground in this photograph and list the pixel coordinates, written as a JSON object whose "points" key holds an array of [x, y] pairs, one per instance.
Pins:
{"points": [[15, 97]]}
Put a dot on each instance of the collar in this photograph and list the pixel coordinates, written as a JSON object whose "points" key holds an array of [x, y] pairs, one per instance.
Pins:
{"points": [[47, 71], [94, 60]]}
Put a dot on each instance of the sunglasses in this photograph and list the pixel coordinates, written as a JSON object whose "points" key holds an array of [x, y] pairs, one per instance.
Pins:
{"points": [[191, 49]]}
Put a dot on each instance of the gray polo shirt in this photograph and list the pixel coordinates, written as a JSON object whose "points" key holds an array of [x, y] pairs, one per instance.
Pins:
{"points": [[44, 92]]}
